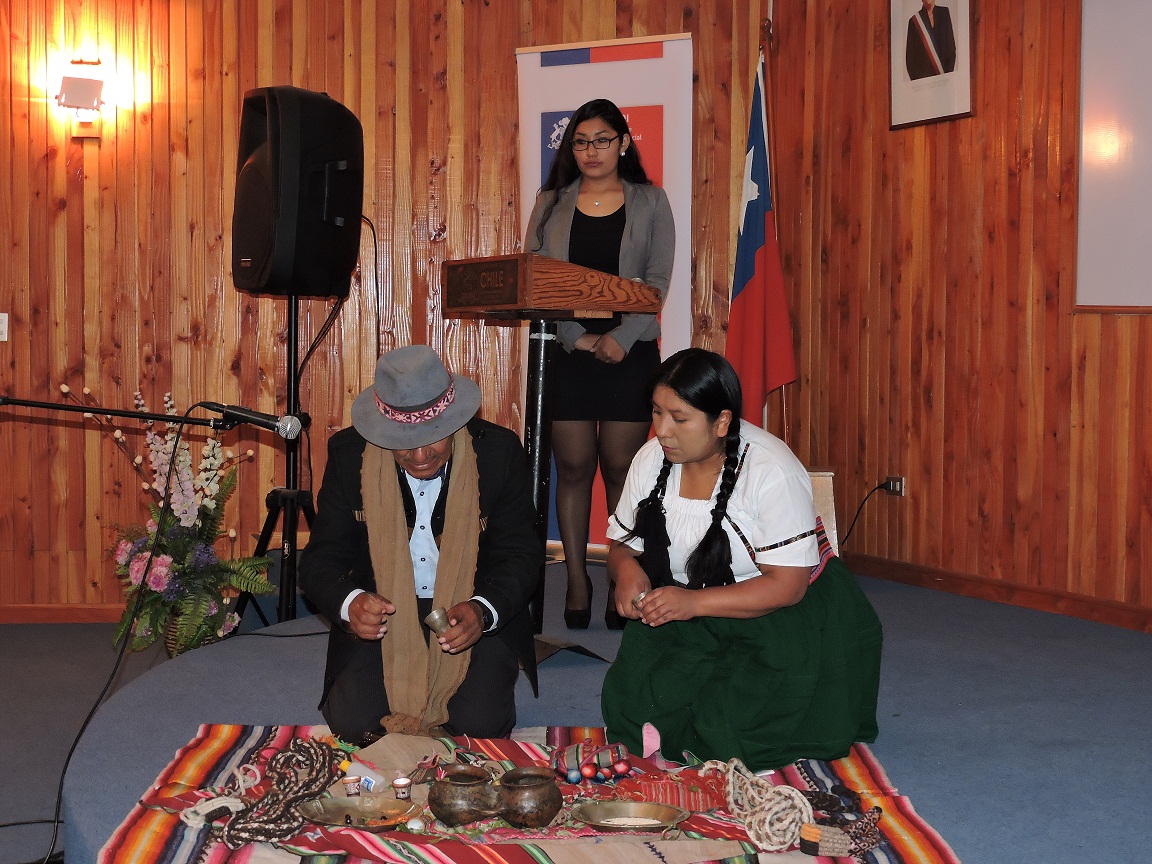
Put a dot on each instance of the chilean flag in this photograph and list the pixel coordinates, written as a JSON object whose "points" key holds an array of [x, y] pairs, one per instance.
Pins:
{"points": [[759, 328]]}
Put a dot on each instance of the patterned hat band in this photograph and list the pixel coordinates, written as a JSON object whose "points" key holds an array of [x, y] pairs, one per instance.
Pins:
{"points": [[421, 415]]}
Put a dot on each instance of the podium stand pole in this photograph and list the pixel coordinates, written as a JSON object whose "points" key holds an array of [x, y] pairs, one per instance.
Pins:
{"points": [[538, 443]]}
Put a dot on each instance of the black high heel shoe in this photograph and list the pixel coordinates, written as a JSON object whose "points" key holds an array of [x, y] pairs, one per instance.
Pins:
{"points": [[578, 619], [613, 620]]}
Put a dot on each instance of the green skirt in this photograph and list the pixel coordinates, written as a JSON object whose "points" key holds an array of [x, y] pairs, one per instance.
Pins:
{"points": [[800, 682]]}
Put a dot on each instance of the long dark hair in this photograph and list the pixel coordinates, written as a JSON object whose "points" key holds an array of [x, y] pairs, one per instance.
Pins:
{"points": [[565, 170], [707, 382]]}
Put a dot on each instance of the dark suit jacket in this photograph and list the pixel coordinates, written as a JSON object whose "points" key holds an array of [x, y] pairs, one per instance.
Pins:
{"points": [[916, 56], [508, 565]]}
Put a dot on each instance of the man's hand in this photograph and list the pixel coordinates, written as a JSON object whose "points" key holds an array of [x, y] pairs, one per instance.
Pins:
{"points": [[368, 616], [586, 342], [467, 628]]}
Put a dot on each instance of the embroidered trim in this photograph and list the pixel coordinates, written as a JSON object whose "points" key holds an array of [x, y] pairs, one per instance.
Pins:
{"points": [[421, 416], [786, 542], [740, 463], [747, 546], [740, 467], [622, 525], [825, 547]]}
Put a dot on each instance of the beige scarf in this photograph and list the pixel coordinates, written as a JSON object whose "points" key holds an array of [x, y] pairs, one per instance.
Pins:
{"points": [[420, 678]]}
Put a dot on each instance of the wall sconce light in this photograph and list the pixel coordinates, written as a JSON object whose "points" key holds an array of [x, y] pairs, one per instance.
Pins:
{"points": [[81, 93]]}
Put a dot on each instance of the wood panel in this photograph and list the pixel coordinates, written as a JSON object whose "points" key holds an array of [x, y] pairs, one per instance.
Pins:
{"points": [[930, 270]]}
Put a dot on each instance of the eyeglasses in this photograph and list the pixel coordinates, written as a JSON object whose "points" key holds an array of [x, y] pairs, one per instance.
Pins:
{"points": [[598, 143]]}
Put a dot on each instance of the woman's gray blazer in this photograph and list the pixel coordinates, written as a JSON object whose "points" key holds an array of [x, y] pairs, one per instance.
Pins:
{"points": [[646, 251]]}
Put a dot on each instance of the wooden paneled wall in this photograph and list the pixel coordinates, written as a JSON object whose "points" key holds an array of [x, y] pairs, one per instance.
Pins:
{"points": [[117, 276], [930, 270], [933, 278]]}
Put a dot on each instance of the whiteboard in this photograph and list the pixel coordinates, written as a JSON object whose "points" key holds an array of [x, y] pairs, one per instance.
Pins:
{"points": [[1114, 245]]}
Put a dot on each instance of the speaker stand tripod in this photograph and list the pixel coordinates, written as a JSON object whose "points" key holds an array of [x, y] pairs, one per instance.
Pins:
{"points": [[287, 501]]}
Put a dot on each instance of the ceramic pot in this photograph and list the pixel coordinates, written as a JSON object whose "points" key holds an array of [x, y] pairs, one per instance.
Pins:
{"points": [[464, 794], [529, 797]]}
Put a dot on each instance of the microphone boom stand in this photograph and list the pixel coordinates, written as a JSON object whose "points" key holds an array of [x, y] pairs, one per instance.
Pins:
{"points": [[288, 501], [212, 422]]}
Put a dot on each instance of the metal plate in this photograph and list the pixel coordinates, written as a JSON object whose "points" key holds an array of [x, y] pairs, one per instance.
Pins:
{"points": [[365, 812], [629, 815]]}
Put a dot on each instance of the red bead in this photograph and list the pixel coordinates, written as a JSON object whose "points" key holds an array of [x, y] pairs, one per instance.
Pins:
{"points": [[588, 770], [606, 773], [622, 767]]}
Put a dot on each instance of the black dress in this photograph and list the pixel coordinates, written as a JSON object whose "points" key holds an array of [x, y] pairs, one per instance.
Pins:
{"points": [[584, 388]]}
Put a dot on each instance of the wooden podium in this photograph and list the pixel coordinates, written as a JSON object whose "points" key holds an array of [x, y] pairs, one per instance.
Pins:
{"points": [[528, 287], [538, 289]]}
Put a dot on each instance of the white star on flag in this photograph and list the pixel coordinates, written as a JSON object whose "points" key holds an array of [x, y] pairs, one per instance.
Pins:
{"points": [[751, 190]]}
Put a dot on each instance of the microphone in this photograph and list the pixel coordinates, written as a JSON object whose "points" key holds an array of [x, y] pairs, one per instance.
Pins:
{"points": [[288, 426]]}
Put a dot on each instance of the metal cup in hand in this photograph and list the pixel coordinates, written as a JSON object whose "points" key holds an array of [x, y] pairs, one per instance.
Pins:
{"points": [[437, 621]]}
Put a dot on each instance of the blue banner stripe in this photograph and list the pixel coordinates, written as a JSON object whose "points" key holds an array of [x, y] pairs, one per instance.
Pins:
{"points": [[568, 57]]}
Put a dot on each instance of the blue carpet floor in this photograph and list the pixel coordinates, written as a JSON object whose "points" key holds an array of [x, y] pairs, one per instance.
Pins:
{"points": [[1019, 735]]}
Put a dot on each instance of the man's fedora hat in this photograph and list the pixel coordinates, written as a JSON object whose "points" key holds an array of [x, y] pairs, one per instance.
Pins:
{"points": [[414, 401]]}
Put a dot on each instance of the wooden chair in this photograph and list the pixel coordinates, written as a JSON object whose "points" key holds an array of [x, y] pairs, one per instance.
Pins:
{"points": [[825, 504]]}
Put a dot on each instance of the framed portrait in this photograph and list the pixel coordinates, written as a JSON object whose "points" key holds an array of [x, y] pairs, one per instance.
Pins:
{"points": [[931, 61]]}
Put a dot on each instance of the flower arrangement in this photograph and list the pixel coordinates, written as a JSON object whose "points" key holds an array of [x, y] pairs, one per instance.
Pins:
{"points": [[177, 585]]}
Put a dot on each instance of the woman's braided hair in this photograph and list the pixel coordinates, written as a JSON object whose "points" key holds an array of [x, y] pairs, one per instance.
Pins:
{"points": [[707, 382]]}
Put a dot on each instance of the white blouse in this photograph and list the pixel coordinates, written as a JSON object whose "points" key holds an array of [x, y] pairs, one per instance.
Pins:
{"points": [[771, 503]]}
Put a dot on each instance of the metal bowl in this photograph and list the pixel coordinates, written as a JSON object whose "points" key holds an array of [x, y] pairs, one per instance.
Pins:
{"points": [[366, 812], [629, 815]]}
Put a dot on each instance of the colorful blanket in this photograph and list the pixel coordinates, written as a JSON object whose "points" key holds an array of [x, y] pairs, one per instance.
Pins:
{"points": [[153, 832]]}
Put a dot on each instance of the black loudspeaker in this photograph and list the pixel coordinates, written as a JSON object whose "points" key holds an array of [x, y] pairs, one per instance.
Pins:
{"points": [[299, 194]]}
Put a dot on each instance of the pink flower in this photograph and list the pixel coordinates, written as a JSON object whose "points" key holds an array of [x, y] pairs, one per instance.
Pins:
{"points": [[158, 576], [160, 573], [136, 568], [123, 552], [230, 622]]}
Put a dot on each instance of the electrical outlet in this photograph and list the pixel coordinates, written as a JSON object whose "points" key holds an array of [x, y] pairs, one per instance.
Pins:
{"points": [[894, 486], [3, 326]]}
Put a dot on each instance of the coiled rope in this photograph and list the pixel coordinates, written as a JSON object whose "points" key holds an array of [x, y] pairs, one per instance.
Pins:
{"points": [[772, 815], [231, 798], [298, 774]]}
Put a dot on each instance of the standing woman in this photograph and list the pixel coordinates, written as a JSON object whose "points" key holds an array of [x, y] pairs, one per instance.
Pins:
{"points": [[750, 641], [599, 209]]}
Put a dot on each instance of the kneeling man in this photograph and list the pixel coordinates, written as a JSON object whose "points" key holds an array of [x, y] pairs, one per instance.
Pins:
{"points": [[423, 506]]}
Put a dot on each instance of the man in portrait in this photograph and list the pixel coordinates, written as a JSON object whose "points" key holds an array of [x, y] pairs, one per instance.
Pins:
{"points": [[931, 45]]}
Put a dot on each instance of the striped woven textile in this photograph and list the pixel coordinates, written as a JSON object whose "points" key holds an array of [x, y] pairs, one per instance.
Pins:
{"points": [[153, 832]]}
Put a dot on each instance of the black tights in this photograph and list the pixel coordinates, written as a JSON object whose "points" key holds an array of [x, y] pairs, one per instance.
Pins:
{"points": [[578, 446]]}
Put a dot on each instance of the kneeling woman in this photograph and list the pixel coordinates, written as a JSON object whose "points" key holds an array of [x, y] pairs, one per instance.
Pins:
{"points": [[746, 642]]}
